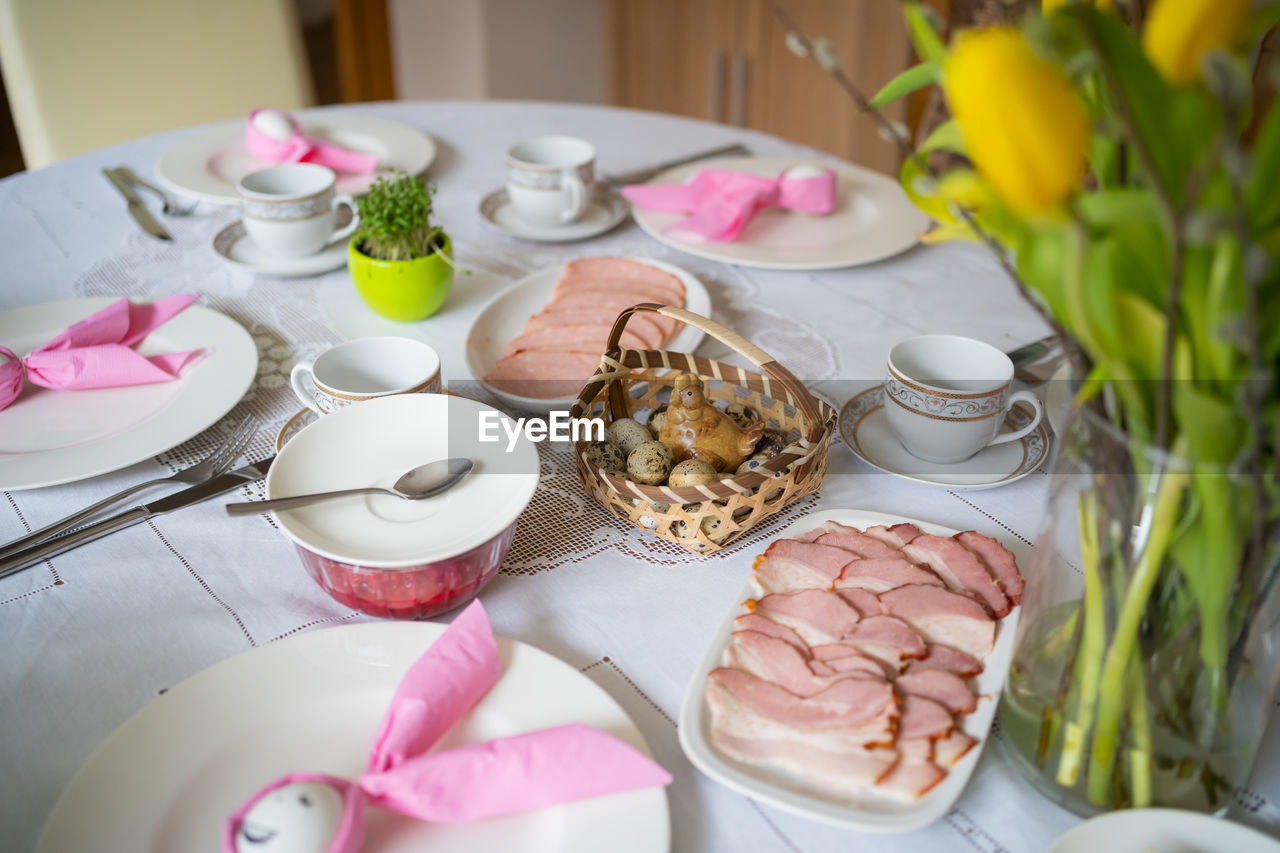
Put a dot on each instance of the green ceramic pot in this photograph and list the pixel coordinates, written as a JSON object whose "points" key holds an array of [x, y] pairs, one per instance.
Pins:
{"points": [[406, 291]]}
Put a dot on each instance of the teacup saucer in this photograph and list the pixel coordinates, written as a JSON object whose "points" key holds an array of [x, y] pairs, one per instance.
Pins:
{"points": [[233, 244], [865, 428], [296, 424], [606, 211]]}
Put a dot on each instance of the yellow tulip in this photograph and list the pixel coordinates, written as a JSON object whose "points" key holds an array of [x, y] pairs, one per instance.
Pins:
{"points": [[1047, 6], [1023, 125], [1179, 32]]}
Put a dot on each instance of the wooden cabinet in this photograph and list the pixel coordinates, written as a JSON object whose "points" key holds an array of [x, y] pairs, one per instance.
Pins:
{"points": [[727, 60]]}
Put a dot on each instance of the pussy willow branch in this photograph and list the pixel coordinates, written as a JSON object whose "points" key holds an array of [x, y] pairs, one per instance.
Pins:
{"points": [[1124, 111], [896, 135]]}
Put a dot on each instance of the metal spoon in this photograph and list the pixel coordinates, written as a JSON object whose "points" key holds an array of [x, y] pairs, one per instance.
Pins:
{"points": [[422, 482]]}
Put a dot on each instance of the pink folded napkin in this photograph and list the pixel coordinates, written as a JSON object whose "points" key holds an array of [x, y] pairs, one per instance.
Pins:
{"points": [[277, 137], [497, 777], [720, 202], [97, 352]]}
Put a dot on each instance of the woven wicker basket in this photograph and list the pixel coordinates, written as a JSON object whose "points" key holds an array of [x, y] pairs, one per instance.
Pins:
{"points": [[702, 519]]}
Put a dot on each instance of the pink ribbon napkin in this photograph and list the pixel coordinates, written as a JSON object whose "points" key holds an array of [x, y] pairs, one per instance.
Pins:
{"points": [[297, 148], [720, 202], [497, 777], [97, 352]]}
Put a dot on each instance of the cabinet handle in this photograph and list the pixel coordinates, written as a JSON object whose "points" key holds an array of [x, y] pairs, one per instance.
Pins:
{"points": [[717, 86], [738, 91]]}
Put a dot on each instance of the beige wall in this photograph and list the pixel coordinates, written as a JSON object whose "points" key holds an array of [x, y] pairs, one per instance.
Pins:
{"points": [[521, 49]]}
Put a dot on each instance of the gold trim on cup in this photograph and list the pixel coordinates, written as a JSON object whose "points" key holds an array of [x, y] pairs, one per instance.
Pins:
{"points": [[942, 417]]}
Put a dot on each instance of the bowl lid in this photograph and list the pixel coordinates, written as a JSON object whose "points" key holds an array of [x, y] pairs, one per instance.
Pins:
{"points": [[373, 443]]}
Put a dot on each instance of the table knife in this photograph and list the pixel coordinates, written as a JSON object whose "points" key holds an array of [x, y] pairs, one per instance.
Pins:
{"points": [[642, 175], [1034, 351], [187, 497], [136, 207]]}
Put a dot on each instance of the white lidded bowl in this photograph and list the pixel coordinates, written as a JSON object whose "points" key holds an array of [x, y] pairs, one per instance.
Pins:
{"points": [[390, 557]]}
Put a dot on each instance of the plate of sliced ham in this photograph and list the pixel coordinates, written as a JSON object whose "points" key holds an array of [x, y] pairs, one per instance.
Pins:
{"points": [[536, 343], [856, 675]]}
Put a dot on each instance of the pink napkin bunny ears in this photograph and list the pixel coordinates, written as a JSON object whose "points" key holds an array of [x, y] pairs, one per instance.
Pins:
{"points": [[298, 148], [721, 202], [496, 777], [97, 352]]}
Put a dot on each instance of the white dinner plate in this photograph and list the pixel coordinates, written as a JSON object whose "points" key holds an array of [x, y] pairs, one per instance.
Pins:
{"points": [[208, 163], [503, 319], [1163, 831], [170, 775], [867, 813], [49, 437], [865, 428], [873, 220]]}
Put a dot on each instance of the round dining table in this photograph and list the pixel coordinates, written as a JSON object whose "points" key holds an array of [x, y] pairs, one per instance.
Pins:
{"points": [[94, 636]]}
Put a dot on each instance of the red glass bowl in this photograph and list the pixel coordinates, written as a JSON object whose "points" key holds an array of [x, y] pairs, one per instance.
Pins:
{"points": [[410, 592]]}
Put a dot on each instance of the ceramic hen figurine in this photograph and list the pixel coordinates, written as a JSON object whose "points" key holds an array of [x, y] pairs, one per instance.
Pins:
{"points": [[695, 429]]}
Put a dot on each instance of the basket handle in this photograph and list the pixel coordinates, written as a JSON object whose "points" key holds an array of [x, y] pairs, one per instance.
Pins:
{"points": [[804, 400]]}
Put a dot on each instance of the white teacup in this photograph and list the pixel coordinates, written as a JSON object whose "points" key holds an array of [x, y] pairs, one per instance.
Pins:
{"points": [[946, 396], [365, 369], [551, 179], [289, 211]]}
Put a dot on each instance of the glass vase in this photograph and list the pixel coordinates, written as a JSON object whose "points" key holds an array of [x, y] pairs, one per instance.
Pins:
{"points": [[1146, 650]]}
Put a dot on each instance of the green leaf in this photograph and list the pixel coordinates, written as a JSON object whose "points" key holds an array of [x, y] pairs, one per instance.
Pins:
{"points": [[1262, 199], [1105, 209], [924, 37], [944, 137], [911, 80]]}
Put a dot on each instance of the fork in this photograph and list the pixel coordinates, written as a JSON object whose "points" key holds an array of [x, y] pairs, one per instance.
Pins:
{"points": [[211, 466]]}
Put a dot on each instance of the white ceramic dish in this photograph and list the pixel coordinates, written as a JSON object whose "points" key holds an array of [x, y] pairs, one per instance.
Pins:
{"points": [[207, 164], [1164, 831], [866, 431], [604, 213], [869, 814], [504, 318], [873, 220], [235, 247], [50, 437], [170, 775]]}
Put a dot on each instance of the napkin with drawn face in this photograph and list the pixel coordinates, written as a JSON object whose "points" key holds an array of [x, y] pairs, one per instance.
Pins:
{"points": [[275, 136], [97, 352], [721, 202], [321, 814]]}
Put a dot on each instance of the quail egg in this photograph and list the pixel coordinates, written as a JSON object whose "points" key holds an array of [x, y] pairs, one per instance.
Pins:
{"points": [[657, 418], [770, 444], [604, 455], [650, 463], [627, 434], [692, 472], [741, 415], [710, 528]]}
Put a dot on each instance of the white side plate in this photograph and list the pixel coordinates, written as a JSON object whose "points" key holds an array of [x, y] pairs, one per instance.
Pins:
{"points": [[169, 777], [504, 318], [870, 813], [1163, 830], [49, 437]]}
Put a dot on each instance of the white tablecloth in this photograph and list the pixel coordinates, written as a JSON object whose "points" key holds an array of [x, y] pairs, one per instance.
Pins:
{"points": [[93, 636]]}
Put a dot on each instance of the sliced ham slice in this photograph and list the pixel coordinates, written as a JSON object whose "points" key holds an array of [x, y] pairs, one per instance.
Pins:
{"points": [[553, 316], [958, 566], [821, 768], [950, 749], [544, 374], [789, 565], [853, 711], [914, 775], [943, 616], [859, 543], [896, 536], [584, 338], [947, 689], [639, 292], [886, 639], [765, 625], [923, 718], [863, 601], [998, 561], [619, 269], [839, 657], [608, 300], [775, 661], [946, 659], [817, 615], [877, 574]]}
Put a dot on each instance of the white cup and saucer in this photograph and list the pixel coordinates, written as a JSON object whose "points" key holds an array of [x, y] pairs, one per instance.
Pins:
{"points": [[551, 194], [947, 414], [292, 222]]}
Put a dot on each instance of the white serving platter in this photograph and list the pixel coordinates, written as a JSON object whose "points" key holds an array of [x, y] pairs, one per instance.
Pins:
{"points": [[868, 813]]}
